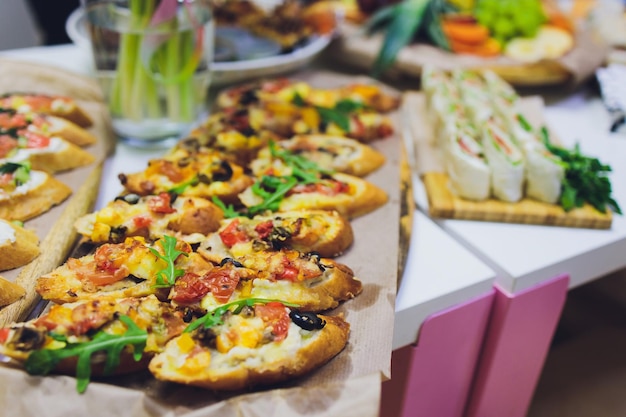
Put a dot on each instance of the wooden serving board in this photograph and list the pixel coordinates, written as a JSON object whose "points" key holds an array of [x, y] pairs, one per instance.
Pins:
{"points": [[443, 203], [355, 49], [55, 228]]}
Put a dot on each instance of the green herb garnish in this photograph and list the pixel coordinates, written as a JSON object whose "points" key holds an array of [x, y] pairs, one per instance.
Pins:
{"points": [[180, 188], [524, 123], [43, 361], [302, 167], [229, 210], [214, 317], [339, 114], [167, 276], [20, 171], [586, 179], [279, 187]]}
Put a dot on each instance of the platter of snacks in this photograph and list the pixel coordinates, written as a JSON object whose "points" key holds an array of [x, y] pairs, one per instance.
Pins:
{"points": [[54, 141], [528, 43], [237, 267], [484, 153]]}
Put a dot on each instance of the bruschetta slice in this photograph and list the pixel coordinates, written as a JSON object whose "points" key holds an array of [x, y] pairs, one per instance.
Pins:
{"points": [[325, 232], [25, 193], [334, 153], [250, 345], [312, 282], [186, 218], [204, 174], [132, 268], [18, 246], [93, 338], [54, 105]]}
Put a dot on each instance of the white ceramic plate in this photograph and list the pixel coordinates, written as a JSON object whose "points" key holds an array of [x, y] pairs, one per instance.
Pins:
{"points": [[227, 72]]}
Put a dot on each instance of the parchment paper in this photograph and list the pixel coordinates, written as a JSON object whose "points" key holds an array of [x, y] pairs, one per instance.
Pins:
{"points": [[347, 386], [357, 50]]}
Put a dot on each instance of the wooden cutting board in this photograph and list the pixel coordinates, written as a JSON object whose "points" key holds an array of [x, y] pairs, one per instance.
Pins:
{"points": [[443, 203], [55, 228]]}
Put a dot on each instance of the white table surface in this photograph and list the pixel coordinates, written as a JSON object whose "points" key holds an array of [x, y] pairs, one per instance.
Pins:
{"points": [[440, 273]]}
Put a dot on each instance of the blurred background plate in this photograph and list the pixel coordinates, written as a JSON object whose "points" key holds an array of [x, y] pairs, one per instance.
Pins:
{"points": [[252, 56]]}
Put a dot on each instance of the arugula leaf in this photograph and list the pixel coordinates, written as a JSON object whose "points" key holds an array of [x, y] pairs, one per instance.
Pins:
{"points": [[332, 116], [180, 188], [229, 210], [20, 171], [214, 317], [339, 114], [302, 167], [43, 361], [271, 200], [167, 276]]}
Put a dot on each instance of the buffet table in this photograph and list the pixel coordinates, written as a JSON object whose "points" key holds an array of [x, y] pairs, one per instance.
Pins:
{"points": [[466, 283]]}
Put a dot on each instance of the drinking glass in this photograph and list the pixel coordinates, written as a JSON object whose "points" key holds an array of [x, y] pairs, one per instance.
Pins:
{"points": [[153, 61]]}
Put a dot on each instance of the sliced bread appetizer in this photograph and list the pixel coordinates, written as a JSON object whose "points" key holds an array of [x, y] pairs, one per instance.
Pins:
{"points": [[25, 193], [18, 246], [250, 345], [54, 105]]}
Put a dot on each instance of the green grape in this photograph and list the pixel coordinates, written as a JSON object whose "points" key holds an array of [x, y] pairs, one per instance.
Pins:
{"points": [[526, 24], [485, 18], [503, 28]]}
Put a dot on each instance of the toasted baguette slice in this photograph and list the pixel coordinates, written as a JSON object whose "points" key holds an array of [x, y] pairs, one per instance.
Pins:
{"points": [[127, 269], [55, 105], [203, 174], [58, 156], [79, 322], [36, 196], [325, 232], [71, 132], [251, 348], [186, 218], [18, 246], [311, 282], [348, 195], [10, 292], [334, 153]]}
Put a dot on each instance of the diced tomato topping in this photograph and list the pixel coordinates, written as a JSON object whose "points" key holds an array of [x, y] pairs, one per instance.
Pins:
{"points": [[142, 221], [4, 334], [7, 144], [358, 129], [275, 86], [330, 187], [264, 229], [170, 170], [220, 282], [35, 140], [231, 235], [6, 179], [384, 130], [12, 120], [161, 203], [275, 314], [92, 273], [289, 273]]}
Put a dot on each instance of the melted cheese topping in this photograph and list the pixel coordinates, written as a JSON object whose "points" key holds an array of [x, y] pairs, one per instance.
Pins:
{"points": [[7, 233], [56, 145], [37, 178]]}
